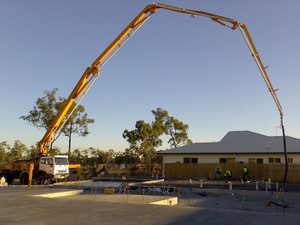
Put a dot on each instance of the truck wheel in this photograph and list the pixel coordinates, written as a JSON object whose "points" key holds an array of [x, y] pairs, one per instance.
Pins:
{"points": [[9, 178], [41, 178], [24, 176]]}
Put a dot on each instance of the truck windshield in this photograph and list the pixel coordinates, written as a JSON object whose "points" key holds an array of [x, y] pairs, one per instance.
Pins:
{"points": [[61, 161]]}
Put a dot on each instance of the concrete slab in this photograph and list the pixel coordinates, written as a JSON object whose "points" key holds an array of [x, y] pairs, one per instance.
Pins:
{"points": [[95, 194], [169, 201], [59, 194], [19, 206], [260, 201], [132, 199]]}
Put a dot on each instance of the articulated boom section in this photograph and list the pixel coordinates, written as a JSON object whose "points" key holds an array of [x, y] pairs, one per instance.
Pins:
{"points": [[89, 77], [68, 108]]}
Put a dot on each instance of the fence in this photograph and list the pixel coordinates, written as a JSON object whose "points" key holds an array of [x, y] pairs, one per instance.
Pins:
{"points": [[275, 172]]}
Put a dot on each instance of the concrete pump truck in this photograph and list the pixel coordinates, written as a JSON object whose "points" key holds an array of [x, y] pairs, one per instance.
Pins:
{"points": [[44, 167]]}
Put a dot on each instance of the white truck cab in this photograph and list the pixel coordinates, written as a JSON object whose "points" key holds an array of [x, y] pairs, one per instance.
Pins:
{"points": [[56, 167]]}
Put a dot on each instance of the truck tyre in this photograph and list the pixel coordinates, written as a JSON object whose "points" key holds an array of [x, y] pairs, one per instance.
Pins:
{"points": [[9, 178], [41, 178], [24, 176]]}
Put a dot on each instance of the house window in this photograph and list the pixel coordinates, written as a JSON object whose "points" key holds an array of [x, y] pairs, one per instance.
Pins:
{"points": [[277, 160], [223, 160], [256, 160], [194, 160], [290, 160], [274, 160], [260, 161], [227, 160], [186, 160], [190, 160]]}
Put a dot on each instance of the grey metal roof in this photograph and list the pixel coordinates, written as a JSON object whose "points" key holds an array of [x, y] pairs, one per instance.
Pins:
{"points": [[241, 142]]}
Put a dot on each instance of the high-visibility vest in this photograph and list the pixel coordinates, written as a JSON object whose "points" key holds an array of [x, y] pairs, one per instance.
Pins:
{"points": [[218, 170]]}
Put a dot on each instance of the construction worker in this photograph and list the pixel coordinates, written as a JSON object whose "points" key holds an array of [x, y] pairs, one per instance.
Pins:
{"points": [[245, 173], [228, 174], [218, 172]]}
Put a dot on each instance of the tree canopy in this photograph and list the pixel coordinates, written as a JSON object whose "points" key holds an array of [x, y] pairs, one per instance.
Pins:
{"points": [[143, 141], [16, 152], [146, 137], [177, 130], [48, 106]]}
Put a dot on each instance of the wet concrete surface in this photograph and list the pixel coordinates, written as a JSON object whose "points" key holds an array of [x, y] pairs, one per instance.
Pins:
{"points": [[20, 205]]}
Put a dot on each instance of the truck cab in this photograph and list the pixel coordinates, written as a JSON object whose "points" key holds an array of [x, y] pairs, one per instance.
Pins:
{"points": [[56, 167]]}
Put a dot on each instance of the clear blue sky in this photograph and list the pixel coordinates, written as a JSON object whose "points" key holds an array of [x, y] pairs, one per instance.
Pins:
{"points": [[200, 72]]}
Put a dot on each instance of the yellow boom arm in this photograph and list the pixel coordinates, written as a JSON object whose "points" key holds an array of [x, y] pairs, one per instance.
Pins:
{"points": [[91, 73]]}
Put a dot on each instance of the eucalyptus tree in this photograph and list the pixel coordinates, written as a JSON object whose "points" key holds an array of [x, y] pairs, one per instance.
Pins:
{"points": [[169, 125], [146, 137], [45, 110], [143, 141]]}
